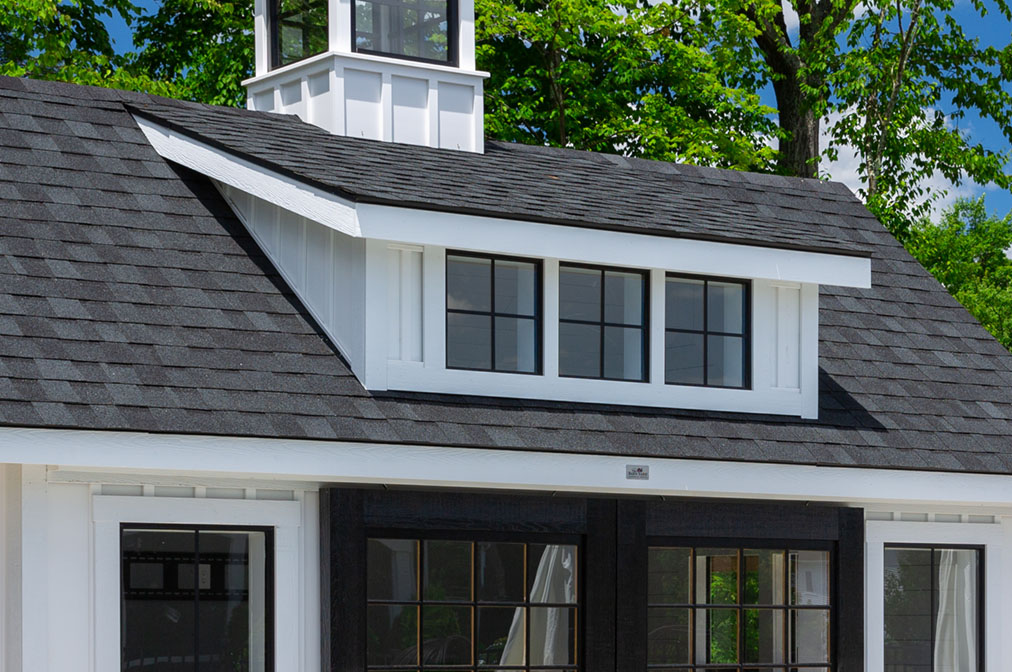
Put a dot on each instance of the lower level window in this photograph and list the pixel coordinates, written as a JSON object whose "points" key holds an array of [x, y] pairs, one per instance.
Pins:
{"points": [[196, 599], [466, 605], [932, 609], [738, 609]]}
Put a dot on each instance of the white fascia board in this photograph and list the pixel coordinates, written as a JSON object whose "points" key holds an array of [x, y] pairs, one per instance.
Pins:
{"points": [[421, 466], [507, 236], [298, 197]]}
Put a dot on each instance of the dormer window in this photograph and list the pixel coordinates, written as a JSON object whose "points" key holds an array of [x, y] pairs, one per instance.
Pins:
{"points": [[602, 323], [493, 313], [422, 30], [298, 30]]}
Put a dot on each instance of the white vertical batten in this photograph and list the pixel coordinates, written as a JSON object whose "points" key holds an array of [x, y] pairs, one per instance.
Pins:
{"points": [[655, 326], [809, 355], [550, 326]]}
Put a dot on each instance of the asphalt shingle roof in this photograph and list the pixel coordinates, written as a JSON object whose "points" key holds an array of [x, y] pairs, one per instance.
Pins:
{"points": [[132, 299]]}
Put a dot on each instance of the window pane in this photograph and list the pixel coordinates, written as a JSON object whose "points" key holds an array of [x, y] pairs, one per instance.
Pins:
{"points": [[725, 302], [720, 627], [499, 571], [810, 636], [468, 283], [683, 358], [553, 635], [392, 635], [668, 636], [551, 573], [501, 635], [623, 353], [623, 298], [447, 571], [764, 636], [668, 576], [725, 361], [516, 287], [415, 28], [683, 304], [579, 294], [810, 577], [301, 30], [579, 350], [956, 627], [468, 341], [764, 577], [392, 569], [716, 576], [515, 344], [446, 635]]}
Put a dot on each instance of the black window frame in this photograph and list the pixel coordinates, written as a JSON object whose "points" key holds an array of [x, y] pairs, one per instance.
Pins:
{"points": [[274, 36], [705, 332], [981, 551], [602, 323], [452, 39], [269, 577], [538, 318]]}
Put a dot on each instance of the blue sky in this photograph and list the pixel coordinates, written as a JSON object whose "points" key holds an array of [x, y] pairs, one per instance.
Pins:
{"points": [[993, 30]]}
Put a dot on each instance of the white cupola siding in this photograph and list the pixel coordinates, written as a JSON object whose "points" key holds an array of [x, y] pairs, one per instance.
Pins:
{"points": [[395, 70]]}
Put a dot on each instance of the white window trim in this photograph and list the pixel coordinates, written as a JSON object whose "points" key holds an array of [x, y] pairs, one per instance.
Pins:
{"points": [[109, 512], [997, 607]]}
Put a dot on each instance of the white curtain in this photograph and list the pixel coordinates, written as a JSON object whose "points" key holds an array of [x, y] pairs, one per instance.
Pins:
{"points": [[956, 629], [554, 582]]}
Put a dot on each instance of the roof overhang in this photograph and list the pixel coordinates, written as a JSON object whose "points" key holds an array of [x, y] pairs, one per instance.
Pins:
{"points": [[411, 225]]}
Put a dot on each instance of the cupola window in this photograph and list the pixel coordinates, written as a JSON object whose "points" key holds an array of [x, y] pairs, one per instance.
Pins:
{"points": [[298, 30], [414, 29]]}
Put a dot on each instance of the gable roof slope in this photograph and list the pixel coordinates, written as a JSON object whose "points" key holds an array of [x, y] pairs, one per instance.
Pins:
{"points": [[131, 298]]}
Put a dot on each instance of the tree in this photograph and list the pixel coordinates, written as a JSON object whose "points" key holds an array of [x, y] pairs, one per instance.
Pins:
{"points": [[625, 77], [966, 252]]}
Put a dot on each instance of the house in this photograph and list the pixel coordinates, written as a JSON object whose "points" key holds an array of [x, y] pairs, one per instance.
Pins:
{"points": [[335, 383]]}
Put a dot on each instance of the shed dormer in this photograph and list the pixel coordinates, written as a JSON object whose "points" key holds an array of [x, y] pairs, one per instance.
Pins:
{"points": [[394, 70]]}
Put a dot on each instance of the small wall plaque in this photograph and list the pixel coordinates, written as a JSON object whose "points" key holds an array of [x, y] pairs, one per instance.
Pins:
{"points": [[637, 472]]}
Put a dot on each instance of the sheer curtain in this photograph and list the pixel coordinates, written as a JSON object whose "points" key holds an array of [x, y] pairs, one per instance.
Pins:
{"points": [[956, 625], [549, 628]]}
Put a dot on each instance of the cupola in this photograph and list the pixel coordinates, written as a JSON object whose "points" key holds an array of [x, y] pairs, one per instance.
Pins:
{"points": [[395, 70]]}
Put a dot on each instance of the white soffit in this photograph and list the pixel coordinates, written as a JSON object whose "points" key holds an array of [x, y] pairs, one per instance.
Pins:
{"points": [[302, 199], [507, 236]]}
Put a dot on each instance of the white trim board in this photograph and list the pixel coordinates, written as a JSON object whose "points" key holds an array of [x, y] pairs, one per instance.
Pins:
{"points": [[421, 466]]}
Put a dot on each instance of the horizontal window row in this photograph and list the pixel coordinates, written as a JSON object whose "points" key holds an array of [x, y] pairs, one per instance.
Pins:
{"points": [[494, 322]]}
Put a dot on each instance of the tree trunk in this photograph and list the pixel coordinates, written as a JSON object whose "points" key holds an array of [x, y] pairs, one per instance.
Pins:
{"points": [[799, 153]]}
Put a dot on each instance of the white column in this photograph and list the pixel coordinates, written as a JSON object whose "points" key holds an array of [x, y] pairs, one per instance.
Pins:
{"points": [[34, 570], [874, 606]]}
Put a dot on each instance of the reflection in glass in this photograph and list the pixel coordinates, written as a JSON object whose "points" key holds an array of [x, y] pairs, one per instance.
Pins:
{"points": [[579, 350], [392, 635], [683, 358], [725, 361], [412, 28], [706, 333], [579, 294], [515, 344], [717, 570], [468, 341], [764, 577], [724, 308], [469, 283], [553, 635], [764, 636], [623, 298], [498, 626], [683, 303], [809, 635], [720, 631], [393, 565], [668, 572], [623, 353], [668, 636], [516, 287], [499, 570], [447, 574], [551, 574], [300, 30], [810, 577], [446, 635]]}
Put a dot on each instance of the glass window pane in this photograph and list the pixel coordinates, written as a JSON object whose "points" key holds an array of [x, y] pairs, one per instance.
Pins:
{"points": [[725, 303], [623, 298], [669, 575], [579, 350], [400, 28], [301, 29], [516, 287], [446, 635], [501, 635], [623, 353], [764, 636], [447, 575], [579, 294], [468, 341], [810, 577], [956, 608], [392, 569], [468, 283], [551, 573], [716, 576], [553, 635], [392, 635], [683, 358], [725, 361], [909, 628], [683, 304], [515, 344], [499, 569], [809, 636], [668, 636], [720, 628], [764, 577]]}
